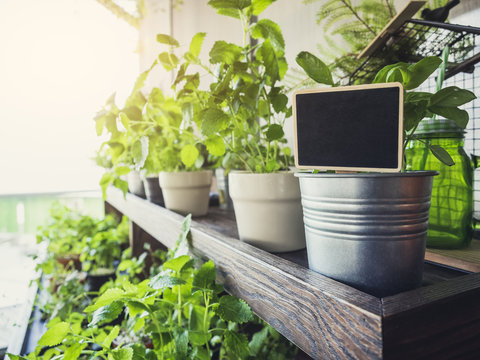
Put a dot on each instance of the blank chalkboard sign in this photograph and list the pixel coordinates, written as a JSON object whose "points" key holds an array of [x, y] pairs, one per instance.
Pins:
{"points": [[351, 128]]}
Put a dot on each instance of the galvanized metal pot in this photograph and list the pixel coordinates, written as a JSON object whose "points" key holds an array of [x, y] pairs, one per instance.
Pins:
{"points": [[268, 210], [367, 230]]}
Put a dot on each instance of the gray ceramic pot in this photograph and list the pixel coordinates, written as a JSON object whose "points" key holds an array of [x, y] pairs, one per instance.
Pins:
{"points": [[223, 191], [367, 230], [153, 191]]}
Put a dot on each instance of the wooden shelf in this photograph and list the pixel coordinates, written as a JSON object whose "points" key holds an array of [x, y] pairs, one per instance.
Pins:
{"points": [[325, 318], [467, 259]]}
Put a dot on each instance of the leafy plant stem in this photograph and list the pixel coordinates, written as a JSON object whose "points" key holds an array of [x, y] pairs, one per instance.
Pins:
{"points": [[157, 325], [206, 299], [389, 7], [349, 6], [180, 306]]}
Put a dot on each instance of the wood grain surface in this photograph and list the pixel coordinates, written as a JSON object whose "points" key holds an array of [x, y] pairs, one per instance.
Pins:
{"points": [[466, 259]]}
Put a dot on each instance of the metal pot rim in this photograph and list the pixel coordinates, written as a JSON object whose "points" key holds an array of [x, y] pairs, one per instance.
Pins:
{"points": [[366, 175]]}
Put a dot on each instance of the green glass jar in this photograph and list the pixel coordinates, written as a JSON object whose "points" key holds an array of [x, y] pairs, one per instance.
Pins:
{"points": [[451, 211]]}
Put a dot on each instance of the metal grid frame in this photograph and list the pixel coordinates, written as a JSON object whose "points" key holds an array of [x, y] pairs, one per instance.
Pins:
{"points": [[416, 39]]}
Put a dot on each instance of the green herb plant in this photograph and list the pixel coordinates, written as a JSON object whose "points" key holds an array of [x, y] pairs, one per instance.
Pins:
{"points": [[246, 107], [417, 104], [101, 249], [124, 150], [182, 312], [174, 142], [65, 230]]}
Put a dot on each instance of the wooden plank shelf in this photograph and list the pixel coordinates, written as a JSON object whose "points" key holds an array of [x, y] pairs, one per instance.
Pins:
{"points": [[467, 259], [325, 318]]}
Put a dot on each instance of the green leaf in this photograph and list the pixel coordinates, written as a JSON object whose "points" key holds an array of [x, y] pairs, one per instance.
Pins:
{"points": [[136, 307], [73, 352], [215, 145], [189, 155], [274, 132], [414, 113], [122, 354], [140, 152], [269, 30], [167, 39], [451, 96], [257, 340], [196, 44], [441, 154], [177, 263], [213, 120], [260, 5], [16, 357], [164, 281], [124, 120], [381, 76], [315, 68], [181, 343], [121, 184], [121, 170], [229, 4], [107, 342], [106, 313], [55, 335], [396, 75], [279, 102], [205, 276], [236, 344], [459, 116], [231, 308], [99, 122], [421, 71], [266, 54], [168, 60], [223, 52], [106, 298], [105, 182], [198, 324]]}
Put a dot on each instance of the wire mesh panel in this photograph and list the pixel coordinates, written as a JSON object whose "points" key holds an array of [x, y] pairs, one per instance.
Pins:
{"points": [[416, 39]]}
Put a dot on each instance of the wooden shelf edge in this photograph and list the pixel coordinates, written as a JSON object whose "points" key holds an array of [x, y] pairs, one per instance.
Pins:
{"points": [[452, 262], [18, 338]]}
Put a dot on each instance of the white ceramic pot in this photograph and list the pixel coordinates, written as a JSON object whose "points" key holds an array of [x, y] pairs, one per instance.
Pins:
{"points": [[268, 210], [186, 192], [135, 184]]}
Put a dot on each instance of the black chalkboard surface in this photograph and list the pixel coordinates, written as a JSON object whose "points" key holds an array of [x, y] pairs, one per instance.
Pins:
{"points": [[351, 128]]}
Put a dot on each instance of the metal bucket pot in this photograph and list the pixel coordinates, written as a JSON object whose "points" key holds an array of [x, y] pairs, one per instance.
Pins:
{"points": [[367, 230]]}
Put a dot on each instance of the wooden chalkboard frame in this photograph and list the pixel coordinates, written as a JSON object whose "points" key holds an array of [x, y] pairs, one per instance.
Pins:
{"points": [[399, 154]]}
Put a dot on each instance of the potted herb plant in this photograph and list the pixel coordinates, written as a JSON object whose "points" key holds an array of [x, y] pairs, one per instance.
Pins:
{"points": [[176, 148], [245, 111], [369, 229], [123, 155], [102, 249]]}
